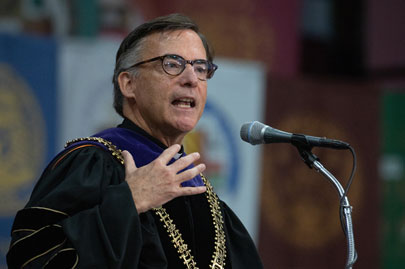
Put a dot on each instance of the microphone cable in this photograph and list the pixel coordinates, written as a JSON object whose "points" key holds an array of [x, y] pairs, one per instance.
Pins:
{"points": [[346, 190], [342, 205]]}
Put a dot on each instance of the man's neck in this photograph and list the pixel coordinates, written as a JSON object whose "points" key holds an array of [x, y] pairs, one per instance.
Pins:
{"points": [[128, 124], [157, 133]]}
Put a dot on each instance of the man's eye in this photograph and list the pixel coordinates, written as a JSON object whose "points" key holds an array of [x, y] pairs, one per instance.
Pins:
{"points": [[172, 65], [200, 68]]}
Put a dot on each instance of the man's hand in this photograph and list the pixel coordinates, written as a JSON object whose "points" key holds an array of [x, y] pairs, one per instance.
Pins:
{"points": [[157, 183]]}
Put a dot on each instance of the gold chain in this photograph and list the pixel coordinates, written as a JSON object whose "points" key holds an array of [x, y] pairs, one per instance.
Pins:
{"points": [[218, 258], [117, 153]]}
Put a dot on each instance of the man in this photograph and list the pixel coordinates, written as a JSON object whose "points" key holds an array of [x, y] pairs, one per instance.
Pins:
{"points": [[88, 210]]}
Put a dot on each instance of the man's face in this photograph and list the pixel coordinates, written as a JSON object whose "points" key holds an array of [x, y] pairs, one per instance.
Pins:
{"points": [[169, 106]]}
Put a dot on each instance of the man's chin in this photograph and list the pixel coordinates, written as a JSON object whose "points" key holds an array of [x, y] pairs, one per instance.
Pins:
{"points": [[186, 126]]}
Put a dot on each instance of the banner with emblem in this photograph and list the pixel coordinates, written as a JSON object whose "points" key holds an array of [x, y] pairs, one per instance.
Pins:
{"points": [[27, 121]]}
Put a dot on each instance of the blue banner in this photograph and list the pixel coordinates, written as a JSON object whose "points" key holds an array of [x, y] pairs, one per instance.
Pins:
{"points": [[28, 113]]}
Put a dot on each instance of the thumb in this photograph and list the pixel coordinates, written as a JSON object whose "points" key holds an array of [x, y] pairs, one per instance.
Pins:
{"points": [[129, 162]]}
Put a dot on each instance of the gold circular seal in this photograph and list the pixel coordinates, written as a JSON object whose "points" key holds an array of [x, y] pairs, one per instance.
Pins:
{"points": [[299, 204], [22, 140]]}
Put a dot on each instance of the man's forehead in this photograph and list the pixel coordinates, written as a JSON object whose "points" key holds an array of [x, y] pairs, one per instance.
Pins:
{"points": [[159, 41], [171, 35]]}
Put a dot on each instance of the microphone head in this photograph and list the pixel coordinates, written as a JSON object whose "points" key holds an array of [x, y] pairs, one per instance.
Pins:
{"points": [[251, 132]]}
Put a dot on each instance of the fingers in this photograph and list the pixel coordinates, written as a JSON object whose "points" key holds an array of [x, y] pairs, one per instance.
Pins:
{"points": [[175, 167], [169, 153], [179, 164], [185, 161], [190, 173], [128, 162], [185, 191]]}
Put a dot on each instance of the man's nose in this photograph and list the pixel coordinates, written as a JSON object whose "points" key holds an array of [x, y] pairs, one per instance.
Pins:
{"points": [[188, 76]]}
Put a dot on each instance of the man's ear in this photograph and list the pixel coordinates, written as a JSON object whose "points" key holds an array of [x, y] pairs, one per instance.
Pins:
{"points": [[127, 85]]}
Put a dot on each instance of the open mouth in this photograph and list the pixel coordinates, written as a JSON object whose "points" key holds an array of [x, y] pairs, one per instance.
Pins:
{"points": [[184, 103]]}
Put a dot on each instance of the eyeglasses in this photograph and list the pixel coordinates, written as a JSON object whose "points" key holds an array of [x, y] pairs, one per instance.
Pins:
{"points": [[174, 65]]}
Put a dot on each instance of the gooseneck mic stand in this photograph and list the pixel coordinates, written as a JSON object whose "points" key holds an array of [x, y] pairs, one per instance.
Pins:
{"points": [[345, 209]]}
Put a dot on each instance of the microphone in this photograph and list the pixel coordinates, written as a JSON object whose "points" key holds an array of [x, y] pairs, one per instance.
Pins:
{"points": [[258, 133]]}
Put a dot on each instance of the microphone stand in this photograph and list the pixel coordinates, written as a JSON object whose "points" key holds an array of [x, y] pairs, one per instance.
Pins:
{"points": [[313, 161]]}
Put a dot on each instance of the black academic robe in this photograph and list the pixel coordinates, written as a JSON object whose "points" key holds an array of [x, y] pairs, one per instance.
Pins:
{"points": [[81, 215]]}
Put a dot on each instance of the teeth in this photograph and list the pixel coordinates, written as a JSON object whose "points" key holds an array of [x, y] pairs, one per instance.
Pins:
{"points": [[183, 105], [184, 102]]}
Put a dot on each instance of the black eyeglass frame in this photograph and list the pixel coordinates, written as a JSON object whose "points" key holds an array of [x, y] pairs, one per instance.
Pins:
{"points": [[210, 72]]}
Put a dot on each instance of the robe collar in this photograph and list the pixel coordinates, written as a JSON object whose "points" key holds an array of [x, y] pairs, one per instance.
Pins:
{"points": [[143, 147]]}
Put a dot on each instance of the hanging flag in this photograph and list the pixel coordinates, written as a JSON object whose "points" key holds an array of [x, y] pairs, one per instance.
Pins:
{"points": [[27, 121]]}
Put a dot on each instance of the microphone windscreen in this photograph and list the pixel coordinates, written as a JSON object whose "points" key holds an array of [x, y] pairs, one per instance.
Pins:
{"points": [[251, 132]]}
